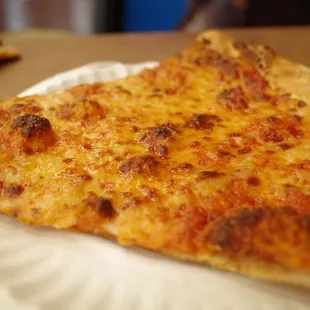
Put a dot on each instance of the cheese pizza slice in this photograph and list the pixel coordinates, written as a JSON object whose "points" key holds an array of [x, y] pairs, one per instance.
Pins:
{"points": [[204, 158]]}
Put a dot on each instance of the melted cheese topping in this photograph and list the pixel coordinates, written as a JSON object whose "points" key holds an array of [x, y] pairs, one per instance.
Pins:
{"points": [[207, 153]]}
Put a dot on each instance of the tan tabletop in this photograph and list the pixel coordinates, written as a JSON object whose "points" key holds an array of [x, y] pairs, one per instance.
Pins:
{"points": [[45, 55]]}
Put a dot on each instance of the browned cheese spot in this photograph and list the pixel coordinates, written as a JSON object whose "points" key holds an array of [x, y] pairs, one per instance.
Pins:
{"points": [[14, 190], [292, 110], [85, 177], [273, 136], [301, 104], [253, 181], [275, 129], [272, 119], [160, 132], [223, 233], [161, 150], [215, 59], [139, 165], [203, 121], [101, 205], [17, 106], [87, 147], [245, 150], [265, 233], [29, 134], [31, 125], [297, 117], [284, 146], [104, 207], [257, 85], [259, 56], [182, 168], [223, 153], [30, 107], [206, 41], [205, 175], [155, 138], [233, 99], [195, 144], [86, 111], [121, 90], [228, 68], [134, 128], [246, 52]]}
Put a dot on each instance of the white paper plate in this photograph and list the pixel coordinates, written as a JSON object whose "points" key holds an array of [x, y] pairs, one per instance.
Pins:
{"points": [[54, 270], [91, 73]]}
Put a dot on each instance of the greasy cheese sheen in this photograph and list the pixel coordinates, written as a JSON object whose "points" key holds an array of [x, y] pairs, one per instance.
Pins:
{"points": [[207, 155]]}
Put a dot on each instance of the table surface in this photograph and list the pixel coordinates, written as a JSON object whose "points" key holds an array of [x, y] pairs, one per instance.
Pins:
{"points": [[45, 55]]}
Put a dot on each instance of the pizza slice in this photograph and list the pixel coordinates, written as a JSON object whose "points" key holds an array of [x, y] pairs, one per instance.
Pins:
{"points": [[204, 158]]}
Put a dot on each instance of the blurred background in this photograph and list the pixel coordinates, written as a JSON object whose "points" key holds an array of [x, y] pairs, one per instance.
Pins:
{"points": [[100, 16]]}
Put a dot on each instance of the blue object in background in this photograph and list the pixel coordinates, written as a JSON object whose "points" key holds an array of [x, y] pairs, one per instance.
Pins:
{"points": [[152, 15]]}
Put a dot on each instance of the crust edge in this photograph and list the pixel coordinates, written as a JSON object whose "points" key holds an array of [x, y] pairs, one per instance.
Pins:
{"points": [[254, 269]]}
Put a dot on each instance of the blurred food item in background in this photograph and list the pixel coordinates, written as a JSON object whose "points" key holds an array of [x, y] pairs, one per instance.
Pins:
{"points": [[245, 13], [79, 16], [8, 53]]}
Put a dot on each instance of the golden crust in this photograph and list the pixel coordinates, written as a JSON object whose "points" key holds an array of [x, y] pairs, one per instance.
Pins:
{"points": [[204, 158], [249, 267]]}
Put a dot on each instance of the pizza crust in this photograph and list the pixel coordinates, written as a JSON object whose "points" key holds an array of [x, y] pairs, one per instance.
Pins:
{"points": [[245, 266], [248, 267], [284, 74]]}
